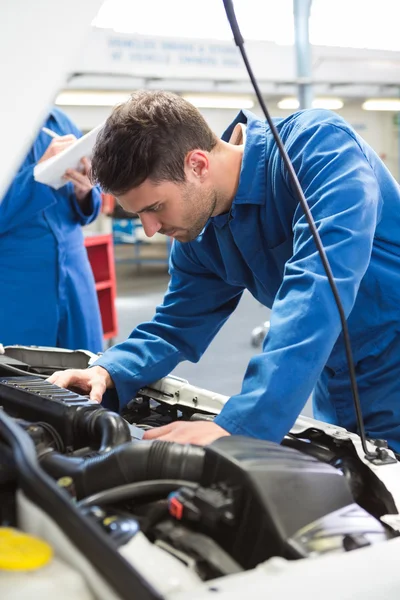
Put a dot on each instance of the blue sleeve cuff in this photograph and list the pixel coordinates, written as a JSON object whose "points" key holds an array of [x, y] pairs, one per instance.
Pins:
{"points": [[232, 427], [92, 204], [110, 398]]}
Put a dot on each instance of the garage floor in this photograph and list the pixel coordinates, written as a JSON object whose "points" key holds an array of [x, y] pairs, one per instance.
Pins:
{"points": [[221, 369]]}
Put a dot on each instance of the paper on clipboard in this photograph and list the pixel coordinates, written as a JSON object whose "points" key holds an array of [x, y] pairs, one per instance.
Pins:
{"points": [[52, 170]]}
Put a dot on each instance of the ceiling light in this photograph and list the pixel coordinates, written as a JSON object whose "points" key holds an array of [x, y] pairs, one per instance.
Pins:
{"points": [[91, 98], [328, 103], [392, 104], [219, 101], [288, 104]]}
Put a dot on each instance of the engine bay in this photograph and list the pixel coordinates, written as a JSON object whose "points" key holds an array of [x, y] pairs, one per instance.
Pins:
{"points": [[155, 519]]}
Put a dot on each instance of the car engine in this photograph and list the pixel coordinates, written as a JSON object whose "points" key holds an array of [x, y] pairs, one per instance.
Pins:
{"points": [[155, 519]]}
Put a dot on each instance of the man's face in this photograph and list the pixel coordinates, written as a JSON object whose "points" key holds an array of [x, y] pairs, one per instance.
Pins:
{"points": [[179, 210]]}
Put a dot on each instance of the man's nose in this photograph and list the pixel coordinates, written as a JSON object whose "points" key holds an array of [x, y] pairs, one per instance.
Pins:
{"points": [[150, 224]]}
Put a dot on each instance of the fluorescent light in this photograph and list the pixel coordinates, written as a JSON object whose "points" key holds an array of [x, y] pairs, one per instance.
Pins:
{"points": [[219, 101], [391, 104], [288, 104], [91, 98], [110, 98], [329, 103]]}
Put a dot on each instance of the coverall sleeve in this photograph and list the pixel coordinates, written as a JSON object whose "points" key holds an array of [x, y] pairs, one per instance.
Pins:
{"points": [[195, 307], [24, 199], [344, 196], [93, 204]]}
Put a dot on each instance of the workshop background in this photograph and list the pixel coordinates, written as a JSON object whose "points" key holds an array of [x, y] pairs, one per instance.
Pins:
{"points": [[349, 62]]}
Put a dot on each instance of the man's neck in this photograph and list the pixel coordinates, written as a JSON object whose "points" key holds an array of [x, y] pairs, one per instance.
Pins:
{"points": [[227, 162]]}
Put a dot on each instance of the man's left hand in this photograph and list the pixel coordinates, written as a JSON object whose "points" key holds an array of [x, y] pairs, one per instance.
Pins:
{"points": [[184, 432], [80, 179]]}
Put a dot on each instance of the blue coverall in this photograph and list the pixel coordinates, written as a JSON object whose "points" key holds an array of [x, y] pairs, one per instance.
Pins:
{"points": [[48, 294], [264, 244]]}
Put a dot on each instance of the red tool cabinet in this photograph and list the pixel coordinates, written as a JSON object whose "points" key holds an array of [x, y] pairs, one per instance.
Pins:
{"points": [[100, 251]]}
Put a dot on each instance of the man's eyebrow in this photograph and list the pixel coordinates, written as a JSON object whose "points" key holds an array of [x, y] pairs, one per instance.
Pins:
{"points": [[147, 208]]}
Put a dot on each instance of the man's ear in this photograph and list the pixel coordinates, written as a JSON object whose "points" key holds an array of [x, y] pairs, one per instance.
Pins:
{"points": [[197, 164]]}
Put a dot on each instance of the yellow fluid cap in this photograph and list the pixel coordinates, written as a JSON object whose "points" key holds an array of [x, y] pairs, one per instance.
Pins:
{"points": [[22, 552]]}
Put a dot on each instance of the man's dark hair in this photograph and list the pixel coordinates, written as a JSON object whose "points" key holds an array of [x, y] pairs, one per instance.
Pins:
{"points": [[148, 136]]}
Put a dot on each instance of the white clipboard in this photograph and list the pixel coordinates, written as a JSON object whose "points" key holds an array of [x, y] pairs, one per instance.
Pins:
{"points": [[52, 170]]}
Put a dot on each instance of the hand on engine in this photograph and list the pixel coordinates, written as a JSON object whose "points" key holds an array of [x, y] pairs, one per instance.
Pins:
{"points": [[183, 432], [93, 381]]}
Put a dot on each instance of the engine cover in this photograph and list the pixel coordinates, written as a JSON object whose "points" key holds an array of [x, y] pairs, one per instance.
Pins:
{"points": [[278, 492]]}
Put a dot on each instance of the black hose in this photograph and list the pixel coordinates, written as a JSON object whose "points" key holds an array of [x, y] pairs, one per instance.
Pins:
{"points": [[101, 427], [114, 430], [129, 463], [158, 487]]}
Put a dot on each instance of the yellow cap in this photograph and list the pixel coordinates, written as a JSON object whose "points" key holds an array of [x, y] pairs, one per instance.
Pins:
{"points": [[22, 552], [109, 520]]}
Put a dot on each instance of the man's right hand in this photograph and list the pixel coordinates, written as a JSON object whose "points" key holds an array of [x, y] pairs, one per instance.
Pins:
{"points": [[57, 145], [93, 381]]}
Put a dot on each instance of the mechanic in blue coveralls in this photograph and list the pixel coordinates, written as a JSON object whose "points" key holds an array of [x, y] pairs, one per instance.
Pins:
{"points": [[48, 294], [237, 225]]}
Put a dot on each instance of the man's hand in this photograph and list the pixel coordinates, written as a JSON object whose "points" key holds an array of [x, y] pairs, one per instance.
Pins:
{"points": [[80, 179], [92, 381], [184, 432], [57, 145]]}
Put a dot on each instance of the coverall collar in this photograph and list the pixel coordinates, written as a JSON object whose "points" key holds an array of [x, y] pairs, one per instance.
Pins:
{"points": [[252, 184], [251, 189]]}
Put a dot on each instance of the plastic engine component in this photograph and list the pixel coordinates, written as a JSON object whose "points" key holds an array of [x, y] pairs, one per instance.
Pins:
{"points": [[77, 420], [33, 399], [278, 491]]}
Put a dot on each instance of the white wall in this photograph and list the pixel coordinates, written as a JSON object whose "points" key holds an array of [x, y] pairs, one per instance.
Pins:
{"points": [[87, 117], [377, 128], [112, 61]]}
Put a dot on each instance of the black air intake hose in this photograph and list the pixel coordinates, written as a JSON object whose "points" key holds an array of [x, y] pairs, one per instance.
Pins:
{"points": [[136, 461], [101, 427]]}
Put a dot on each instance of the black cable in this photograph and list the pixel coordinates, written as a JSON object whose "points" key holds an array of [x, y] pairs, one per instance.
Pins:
{"points": [[230, 13], [136, 490]]}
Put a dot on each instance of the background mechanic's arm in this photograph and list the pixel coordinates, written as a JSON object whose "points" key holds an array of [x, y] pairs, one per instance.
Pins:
{"points": [[86, 209]]}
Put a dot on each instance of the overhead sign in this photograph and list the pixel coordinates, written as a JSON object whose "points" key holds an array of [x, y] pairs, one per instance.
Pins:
{"points": [[144, 56]]}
